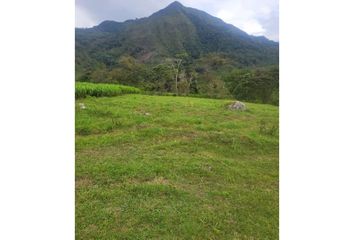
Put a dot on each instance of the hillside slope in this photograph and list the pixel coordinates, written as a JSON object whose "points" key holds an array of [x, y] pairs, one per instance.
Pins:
{"points": [[167, 32], [152, 167]]}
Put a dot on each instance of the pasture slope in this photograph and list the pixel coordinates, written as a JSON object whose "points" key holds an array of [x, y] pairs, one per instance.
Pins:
{"points": [[164, 167]]}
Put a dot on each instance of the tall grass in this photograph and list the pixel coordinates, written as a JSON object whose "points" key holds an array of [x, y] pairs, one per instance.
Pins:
{"points": [[83, 89]]}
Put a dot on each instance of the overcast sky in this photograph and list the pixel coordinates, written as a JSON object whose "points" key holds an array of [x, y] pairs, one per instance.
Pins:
{"points": [[256, 17]]}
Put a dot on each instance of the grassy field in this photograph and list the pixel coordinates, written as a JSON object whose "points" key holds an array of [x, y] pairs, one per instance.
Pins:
{"points": [[162, 167]]}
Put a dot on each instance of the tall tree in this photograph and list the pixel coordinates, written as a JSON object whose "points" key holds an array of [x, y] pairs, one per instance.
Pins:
{"points": [[176, 64]]}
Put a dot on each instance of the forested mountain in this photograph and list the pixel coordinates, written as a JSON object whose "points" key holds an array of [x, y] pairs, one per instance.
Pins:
{"points": [[170, 31], [208, 44]]}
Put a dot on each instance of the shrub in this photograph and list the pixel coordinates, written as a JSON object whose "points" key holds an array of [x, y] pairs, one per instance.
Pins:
{"points": [[260, 85]]}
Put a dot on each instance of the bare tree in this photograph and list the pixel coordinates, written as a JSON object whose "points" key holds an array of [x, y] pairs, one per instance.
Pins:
{"points": [[176, 65]]}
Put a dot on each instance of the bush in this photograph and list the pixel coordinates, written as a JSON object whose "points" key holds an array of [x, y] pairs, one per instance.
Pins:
{"points": [[260, 85], [83, 89]]}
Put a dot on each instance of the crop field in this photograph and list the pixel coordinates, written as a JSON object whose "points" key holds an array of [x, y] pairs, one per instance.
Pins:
{"points": [[84, 89], [164, 167]]}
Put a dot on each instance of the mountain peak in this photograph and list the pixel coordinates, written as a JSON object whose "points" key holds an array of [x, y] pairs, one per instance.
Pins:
{"points": [[172, 8], [175, 4]]}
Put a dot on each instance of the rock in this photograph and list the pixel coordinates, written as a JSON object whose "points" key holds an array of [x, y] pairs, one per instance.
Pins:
{"points": [[239, 106], [82, 106]]}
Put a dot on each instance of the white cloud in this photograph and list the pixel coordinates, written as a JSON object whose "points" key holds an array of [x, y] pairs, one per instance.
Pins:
{"points": [[249, 25], [83, 18], [253, 27], [250, 16], [225, 15]]}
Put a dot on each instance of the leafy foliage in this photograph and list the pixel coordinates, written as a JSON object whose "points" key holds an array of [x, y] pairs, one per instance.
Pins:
{"points": [[256, 85]]}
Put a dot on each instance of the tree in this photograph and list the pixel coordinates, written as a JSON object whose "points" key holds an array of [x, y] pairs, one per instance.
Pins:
{"points": [[100, 74], [176, 64], [131, 72], [256, 85], [162, 78]]}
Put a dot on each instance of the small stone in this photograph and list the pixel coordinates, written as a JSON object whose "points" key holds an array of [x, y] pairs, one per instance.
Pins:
{"points": [[82, 106], [239, 106], [147, 114]]}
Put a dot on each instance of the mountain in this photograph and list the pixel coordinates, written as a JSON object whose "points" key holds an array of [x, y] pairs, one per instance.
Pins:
{"points": [[172, 30]]}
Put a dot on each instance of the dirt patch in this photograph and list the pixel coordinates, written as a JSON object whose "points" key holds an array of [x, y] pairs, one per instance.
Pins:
{"points": [[83, 182], [159, 181]]}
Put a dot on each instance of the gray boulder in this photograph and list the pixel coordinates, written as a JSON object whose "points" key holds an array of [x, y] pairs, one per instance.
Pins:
{"points": [[239, 106]]}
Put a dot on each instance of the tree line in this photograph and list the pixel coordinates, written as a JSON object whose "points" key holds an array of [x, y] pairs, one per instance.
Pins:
{"points": [[211, 76]]}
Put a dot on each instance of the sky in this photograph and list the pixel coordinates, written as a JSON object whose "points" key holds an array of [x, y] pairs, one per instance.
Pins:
{"points": [[256, 17]]}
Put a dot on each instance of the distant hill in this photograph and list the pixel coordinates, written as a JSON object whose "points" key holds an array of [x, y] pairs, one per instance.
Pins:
{"points": [[170, 31]]}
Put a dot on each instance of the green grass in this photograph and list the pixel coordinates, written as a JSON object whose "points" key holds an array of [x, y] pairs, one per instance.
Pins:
{"points": [[162, 167], [84, 89]]}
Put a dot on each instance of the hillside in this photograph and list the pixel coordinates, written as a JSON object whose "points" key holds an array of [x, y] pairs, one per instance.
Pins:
{"points": [[158, 167], [168, 32]]}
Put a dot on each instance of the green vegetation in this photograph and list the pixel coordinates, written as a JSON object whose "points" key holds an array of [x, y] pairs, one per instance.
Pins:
{"points": [[163, 167], [100, 90], [173, 30], [255, 85], [179, 50], [176, 167], [212, 76]]}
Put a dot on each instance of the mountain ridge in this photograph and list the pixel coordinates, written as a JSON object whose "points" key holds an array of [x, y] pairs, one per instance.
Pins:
{"points": [[169, 31], [173, 5]]}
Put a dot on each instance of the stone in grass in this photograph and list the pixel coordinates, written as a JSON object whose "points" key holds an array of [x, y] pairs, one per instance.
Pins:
{"points": [[82, 106], [239, 106]]}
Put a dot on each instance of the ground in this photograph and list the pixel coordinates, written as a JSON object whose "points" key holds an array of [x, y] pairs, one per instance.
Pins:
{"points": [[164, 167]]}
